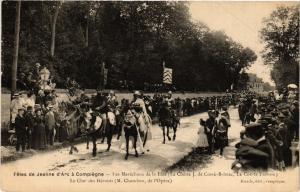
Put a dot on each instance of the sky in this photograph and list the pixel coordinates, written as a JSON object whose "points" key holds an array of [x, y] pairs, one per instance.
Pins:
{"points": [[241, 21]]}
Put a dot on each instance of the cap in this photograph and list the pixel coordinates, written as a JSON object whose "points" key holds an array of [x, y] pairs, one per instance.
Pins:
{"points": [[29, 108]]}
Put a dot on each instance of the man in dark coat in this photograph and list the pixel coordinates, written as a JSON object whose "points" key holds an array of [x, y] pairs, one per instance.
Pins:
{"points": [[20, 125], [29, 117], [254, 151], [209, 127]]}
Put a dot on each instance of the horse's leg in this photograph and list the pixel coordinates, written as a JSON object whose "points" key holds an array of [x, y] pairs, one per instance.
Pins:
{"points": [[109, 138], [174, 129], [134, 145], [94, 138], [71, 146], [168, 129], [163, 128], [71, 150], [127, 146], [87, 142]]}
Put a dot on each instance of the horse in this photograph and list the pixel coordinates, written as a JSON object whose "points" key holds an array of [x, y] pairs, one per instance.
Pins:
{"points": [[109, 129], [70, 121], [131, 130], [168, 119]]}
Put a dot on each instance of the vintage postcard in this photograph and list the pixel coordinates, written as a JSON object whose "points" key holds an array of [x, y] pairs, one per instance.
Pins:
{"points": [[141, 96]]}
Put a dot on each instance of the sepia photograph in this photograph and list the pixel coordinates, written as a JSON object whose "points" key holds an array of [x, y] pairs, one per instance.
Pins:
{"points": [[177, 96]]}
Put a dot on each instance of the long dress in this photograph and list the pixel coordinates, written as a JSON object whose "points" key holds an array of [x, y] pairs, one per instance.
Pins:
{"points": [[39, 134], [202, 138]]}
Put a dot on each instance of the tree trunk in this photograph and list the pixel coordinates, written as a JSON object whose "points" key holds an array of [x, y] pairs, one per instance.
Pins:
{"points": [[53, 29], [87, 33], [16, 49]]}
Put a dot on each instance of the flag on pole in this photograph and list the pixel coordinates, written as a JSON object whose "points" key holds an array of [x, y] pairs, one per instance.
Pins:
{"points": [[167, 75]]}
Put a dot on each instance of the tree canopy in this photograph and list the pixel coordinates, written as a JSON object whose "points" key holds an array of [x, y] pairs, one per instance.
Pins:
{"points": [[281, 36], [132, 38]]}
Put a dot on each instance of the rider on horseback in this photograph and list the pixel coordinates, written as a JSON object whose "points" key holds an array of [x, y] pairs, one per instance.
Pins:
{"points": [[100, 105], [143, 119]]}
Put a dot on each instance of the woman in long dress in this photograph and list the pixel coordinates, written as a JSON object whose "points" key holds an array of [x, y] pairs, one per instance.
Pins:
{"points": [[202, 142], [39, 134]]}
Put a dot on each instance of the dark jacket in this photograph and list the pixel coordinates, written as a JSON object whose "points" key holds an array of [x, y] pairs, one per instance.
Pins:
{"points": [[20, 124]]}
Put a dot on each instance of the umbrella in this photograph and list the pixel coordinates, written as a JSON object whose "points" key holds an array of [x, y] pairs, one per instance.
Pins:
{"points": [[292, 86]]}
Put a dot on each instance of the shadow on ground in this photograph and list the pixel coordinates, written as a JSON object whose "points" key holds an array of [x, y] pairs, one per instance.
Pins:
{"points": [[195, 159]]}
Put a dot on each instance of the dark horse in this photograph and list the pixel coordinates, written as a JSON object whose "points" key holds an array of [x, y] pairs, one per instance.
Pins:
{"points": [[100, 126], [130, 130], [168, 119]]}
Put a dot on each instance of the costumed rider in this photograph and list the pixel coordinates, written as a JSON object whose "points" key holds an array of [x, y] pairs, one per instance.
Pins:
{"points": [[100, 108], [170, 103], [169, 99], [143, 120]]}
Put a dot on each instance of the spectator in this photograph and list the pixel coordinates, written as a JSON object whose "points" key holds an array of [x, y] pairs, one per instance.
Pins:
{"points": [[20, 125]]}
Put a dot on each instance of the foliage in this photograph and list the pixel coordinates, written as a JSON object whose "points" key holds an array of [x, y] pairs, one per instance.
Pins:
{"points": [[132, 38], [281, 36]]}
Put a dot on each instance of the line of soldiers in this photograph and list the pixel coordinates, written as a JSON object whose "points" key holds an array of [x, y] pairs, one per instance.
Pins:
{"points": [[271, 128]]}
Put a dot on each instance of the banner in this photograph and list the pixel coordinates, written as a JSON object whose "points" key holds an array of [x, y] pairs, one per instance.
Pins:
{"points": [[167, 76]]}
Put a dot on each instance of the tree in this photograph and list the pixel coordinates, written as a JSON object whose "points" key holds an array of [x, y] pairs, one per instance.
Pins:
{"points": [[132, 38], [53, 28], [281, 36], [16, 48]]}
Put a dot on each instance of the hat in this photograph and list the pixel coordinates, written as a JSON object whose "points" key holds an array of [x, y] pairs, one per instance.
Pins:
{"points": [[29, 108], [137, 93], [169, 92], [286, 112], [37, 106], [38, 64], [16, 94], [21, 109], [295, 102], [262, 121], [253, 126], [281, 115], [50, 106], [41, 92]]}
